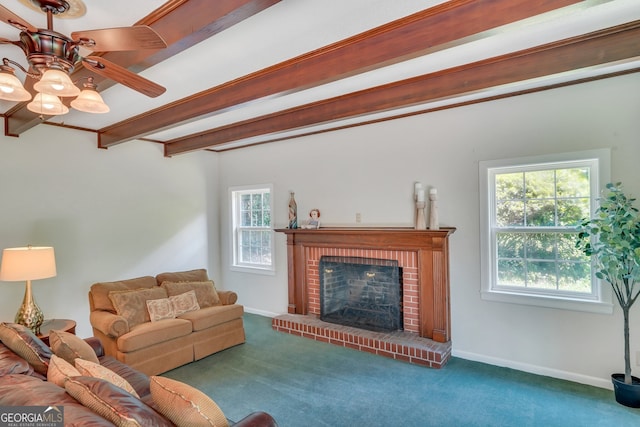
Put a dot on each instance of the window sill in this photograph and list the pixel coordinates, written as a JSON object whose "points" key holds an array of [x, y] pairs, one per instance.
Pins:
{"points": [[253, 270], [599, 307]]}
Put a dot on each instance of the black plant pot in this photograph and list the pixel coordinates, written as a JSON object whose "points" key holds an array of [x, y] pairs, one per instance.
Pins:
{"points": [[626, 394]]}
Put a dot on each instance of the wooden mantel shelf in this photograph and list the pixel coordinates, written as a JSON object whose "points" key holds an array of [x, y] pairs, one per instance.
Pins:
{"points": [[431, 246]]}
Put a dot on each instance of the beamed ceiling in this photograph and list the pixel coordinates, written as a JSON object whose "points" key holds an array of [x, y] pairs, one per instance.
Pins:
{"points": [[246, 72]]}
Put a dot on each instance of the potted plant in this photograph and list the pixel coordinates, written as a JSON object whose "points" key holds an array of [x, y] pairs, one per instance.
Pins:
{"points": [[612, 239]]}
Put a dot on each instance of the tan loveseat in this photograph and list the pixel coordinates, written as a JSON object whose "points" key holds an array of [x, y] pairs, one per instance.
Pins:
{"points": [[121, 318]]}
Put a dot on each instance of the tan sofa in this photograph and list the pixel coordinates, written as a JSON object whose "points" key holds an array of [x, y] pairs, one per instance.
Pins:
{"points": [[120, 317]]}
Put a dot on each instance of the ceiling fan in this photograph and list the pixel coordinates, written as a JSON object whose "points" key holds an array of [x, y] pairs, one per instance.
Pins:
{"points": [[52, 57]]}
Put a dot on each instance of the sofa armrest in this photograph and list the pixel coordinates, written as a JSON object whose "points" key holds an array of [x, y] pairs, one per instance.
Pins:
{"points": [[227, 297], [108, 323], [257, 419], [96, 345]]}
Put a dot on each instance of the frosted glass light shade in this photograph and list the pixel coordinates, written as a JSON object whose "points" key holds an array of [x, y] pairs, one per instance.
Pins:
{"points": [[11, 88], [56, 82], [90, 101], [48, 105], [28, 263]]}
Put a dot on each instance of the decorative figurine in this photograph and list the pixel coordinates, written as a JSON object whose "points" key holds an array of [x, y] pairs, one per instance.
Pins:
{"points": [[314, 219]]}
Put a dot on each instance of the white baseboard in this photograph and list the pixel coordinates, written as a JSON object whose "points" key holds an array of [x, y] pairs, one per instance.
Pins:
{"points": [[260, 312], [534, 369]]}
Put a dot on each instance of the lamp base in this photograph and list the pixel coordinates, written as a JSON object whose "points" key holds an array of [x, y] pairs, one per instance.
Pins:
{"points": [[29, 313]]}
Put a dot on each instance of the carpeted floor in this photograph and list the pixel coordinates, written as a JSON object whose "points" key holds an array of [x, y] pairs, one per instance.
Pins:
{"points": [[304, 383]]}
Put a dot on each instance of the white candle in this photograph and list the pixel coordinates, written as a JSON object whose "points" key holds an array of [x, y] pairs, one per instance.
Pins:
{"points": [[421, 195], [417, 187], [433, 191]]}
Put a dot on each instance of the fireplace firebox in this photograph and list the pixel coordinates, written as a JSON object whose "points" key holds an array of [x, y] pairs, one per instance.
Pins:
{"points": [[361, 292]]}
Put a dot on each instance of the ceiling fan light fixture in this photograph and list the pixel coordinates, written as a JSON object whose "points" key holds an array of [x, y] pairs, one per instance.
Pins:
{"points": [[47, 105], [11, 88], [56, 82], [90, 101]]}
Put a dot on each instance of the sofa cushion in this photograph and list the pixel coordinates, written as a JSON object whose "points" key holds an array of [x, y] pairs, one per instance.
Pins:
{"points": [[149, 333], [113, 403], [22, 341], [100, 291], [212, 316], [60, 370], [160, 309], [185, 405], [132, 304], [199, 275], [70, 347], [138, 380], [25, 390], [205, 291], [91, 369]]}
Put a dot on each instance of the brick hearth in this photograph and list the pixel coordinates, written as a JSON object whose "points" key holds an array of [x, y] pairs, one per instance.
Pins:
{"points": [[400, 345], [422, 255]]}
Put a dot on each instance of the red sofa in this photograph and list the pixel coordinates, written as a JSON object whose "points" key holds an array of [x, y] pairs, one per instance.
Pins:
{"points": [[23, 385]]}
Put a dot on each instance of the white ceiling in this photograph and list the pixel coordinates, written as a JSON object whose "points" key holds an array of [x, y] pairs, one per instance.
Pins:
{"points": [[291, 28]]}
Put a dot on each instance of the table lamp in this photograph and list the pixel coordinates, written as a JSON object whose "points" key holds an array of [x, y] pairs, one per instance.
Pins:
{"points": [[29, 263]]}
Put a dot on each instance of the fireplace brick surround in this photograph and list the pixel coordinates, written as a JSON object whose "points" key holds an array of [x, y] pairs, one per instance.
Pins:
{"points": [[423, 256]]}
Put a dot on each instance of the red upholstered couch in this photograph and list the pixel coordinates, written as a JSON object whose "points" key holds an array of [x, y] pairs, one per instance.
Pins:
{"points": [[25, 384]]}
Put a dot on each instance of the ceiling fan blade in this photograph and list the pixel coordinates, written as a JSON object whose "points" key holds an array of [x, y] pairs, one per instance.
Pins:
{"points": [[14, 20], [123, 76], [122, 38]]}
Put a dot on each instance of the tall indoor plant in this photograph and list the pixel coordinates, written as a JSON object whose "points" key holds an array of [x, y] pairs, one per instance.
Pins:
{"points": [[612, 239]]}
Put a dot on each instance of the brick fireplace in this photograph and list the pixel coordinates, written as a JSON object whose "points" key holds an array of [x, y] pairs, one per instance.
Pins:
{"points": [[423, 258]]}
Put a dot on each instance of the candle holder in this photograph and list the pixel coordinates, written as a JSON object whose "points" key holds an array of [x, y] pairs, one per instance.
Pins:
{"points": [[433, 210], [420, 220]]}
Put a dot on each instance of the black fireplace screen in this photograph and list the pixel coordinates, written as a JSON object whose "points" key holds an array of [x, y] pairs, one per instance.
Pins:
{"points": [[361, 292]]}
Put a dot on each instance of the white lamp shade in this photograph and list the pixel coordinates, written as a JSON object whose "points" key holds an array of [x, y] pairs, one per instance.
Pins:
{"points": [[48, 105], [29, 263], [56, 82], [90, 101], [11, 88]]}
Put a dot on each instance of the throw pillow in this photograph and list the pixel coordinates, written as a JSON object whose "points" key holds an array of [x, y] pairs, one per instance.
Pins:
{"points": [[113, 403], [91, 369], [185, 405], [60, 371], [132, 304], [70, 347], [184, 303], [205, 291], [23, 342], [160, 309]]}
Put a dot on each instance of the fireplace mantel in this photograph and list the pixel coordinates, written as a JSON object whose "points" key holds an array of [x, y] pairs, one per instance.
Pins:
{"points": [[431, 247]]}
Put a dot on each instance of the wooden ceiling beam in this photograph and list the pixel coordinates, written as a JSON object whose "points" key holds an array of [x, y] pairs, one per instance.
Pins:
{"points": [[602, 47], [182, 24], [423, 32]]}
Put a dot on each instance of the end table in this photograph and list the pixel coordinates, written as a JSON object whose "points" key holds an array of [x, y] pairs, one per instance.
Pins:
{"points": [[48, 325]]}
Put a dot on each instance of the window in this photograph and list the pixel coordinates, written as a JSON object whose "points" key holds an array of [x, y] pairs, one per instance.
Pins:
{"points": [[531, 208], [252, 231]]}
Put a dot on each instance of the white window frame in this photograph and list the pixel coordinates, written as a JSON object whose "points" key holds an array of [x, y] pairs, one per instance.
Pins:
{"points": [[236, 229], [600, 300]]}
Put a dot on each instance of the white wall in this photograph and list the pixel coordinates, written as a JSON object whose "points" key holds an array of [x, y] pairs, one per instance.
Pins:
{"points": [[109, 214], [371, 170]]}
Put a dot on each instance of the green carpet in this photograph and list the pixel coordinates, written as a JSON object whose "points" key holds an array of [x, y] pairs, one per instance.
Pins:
{"points": [[304, 383]]}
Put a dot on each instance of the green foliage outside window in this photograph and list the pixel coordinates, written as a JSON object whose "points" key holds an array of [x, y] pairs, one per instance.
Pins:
{"points": [[254, 231], [536, 215]]}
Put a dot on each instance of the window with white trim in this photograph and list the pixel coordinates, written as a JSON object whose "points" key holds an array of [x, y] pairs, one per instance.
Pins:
{"points": [[531, 208], [252, 230]]}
